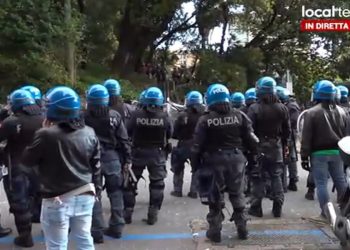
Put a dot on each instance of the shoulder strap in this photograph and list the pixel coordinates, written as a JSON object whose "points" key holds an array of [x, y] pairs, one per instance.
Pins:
{"points": [[334, 118]]}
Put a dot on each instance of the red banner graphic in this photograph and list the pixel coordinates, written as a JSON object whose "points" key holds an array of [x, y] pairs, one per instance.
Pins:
{"points": [[325, 25]]}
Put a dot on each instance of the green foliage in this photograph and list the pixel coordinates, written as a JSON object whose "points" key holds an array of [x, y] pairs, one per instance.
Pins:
{"points": [[30, 33], [122, 34], [212, 68]]}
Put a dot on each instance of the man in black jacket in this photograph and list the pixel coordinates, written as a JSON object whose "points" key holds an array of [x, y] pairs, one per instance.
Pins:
{"points": [[67, 154], [324, 125]]}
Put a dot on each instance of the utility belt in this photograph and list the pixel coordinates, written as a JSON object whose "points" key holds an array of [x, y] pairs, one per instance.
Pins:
{"points": [[269, 138], [167, 147], [223, 150]]}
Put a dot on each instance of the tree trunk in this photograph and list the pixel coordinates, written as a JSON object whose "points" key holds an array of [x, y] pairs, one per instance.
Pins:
{"points": [[225, 15], [135, 36], [222, 42], [129, 54], [70, 48]]}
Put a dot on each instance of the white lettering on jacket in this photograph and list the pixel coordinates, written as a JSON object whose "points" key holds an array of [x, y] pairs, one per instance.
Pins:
{"points": [[149, 121], [222, 121]]}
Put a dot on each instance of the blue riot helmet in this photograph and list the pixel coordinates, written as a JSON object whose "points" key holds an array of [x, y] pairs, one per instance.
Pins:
{"points": [[217, 93], [282, 93], [97, 95], [206, 93], [250, 94], [62, 104], [237, 99], [34, 91], [344, 93], [337, 95], [154, 97], [193, 98], [326, 91], [113, 87], [20, 98], [266, 86]]}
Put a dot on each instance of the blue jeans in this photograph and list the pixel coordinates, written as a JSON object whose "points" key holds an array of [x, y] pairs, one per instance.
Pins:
{"points": [[322, 167], [73, 213]]}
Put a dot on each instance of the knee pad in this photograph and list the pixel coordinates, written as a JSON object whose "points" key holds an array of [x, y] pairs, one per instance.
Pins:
{"points": [[19, 207]]}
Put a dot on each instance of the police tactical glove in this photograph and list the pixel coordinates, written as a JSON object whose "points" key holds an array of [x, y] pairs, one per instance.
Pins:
{"points": [[305, 164], [126, 167], [286, 152]]}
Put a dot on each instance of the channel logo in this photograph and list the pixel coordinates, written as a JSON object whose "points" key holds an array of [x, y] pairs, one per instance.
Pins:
{"points": [[325, 20]]}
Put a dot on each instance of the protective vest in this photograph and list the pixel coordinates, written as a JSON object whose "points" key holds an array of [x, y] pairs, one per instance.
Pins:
{"points": [[223, 131], [150, 129], [186, 124]]}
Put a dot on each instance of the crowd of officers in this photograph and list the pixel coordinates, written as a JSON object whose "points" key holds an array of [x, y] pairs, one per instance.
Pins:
{"points": [[59, 156]]}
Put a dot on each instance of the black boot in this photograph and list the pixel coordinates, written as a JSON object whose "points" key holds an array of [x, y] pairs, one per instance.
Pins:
{"points": [[4, 231], [292, 186], [117, 234], [214, 236], [97, 237], [192, 195], [242, 232], [24, 240], [176, 193], [152, 216], [128, 215], [310, 194], [240, 219], [277, 209], [256, 209]]}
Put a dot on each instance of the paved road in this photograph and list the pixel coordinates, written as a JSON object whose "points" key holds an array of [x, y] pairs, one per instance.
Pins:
{"points": [[181, 217]]}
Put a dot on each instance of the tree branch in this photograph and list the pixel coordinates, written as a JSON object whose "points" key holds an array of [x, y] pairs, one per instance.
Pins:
{"points": [[182, 27], [260, 36]]}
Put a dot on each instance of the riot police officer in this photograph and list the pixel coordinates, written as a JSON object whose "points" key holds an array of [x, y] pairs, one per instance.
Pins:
{"points": [[220, 136], [116, 101], [112, 134], [238, 100], [150, 128], [324, 125], [183, 131], [18, 129], [250, 98], [34, 181], [310, 184], [294, 112], [271, 124]]}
